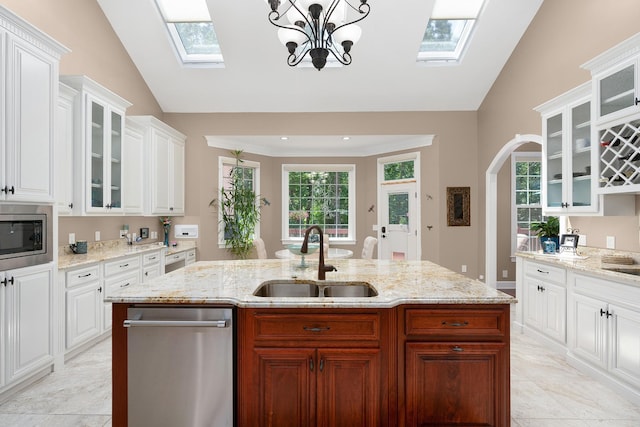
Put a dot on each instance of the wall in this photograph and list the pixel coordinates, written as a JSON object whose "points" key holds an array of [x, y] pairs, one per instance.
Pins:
{"points": [[448, 162], [546, 63]]}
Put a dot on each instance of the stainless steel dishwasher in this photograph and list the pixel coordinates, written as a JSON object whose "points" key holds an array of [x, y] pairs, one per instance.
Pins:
{"points": [[180, 366]]}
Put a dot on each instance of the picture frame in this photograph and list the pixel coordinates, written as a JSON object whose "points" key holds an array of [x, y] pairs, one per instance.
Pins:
{"points": [[458, 206], [569, 241]]}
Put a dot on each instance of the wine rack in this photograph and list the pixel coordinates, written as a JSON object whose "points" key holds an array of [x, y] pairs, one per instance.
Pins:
{"points": [[619, 155]]}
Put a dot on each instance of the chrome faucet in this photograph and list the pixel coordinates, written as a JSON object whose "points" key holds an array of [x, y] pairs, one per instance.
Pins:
{"points": [[322, 269]]}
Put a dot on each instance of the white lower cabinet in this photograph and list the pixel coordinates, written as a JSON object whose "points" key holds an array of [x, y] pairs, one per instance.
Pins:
{"points": [[152, 265], [545, 300], [605, 327], [83, 305], [26, 322]]}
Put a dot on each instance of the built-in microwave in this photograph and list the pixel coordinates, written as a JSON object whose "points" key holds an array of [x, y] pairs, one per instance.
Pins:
{"points": [[26, 235]]}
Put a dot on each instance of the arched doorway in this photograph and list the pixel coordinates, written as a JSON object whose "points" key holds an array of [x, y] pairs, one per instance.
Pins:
{"points": [[491, 204]]}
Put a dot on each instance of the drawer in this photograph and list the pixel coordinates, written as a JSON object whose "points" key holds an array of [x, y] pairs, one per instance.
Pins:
{"points": [[455, 322], [121, 266], [121, 282], [151, 258], [190, 257], [151, 271], [545, 272], [82, 276], [170, 259], [317, 327]]}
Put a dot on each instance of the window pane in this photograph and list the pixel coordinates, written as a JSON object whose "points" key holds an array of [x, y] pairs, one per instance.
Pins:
{"points": [[317, 197], [522, 168], [521, 197], [534, 183], [521, 183], [400, 170], [527, 201], [442, 35], [534, 198], [398, 208]]}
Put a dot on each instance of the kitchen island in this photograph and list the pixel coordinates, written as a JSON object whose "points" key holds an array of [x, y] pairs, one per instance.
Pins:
{"points": [[430, 348]]}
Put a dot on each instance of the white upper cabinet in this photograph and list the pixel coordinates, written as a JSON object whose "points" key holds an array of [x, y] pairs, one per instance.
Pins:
{"points": [[615, 81], [64, 150], [616, 107], [164, 166], [567, 155], [133, 172], [28, 100], [99, 117]]}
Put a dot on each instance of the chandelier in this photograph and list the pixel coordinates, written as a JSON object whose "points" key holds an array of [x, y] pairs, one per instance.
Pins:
{"points": [[318, 27]]}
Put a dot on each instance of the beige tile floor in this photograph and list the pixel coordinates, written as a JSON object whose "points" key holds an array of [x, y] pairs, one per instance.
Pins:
{"points": [[545, 392]]}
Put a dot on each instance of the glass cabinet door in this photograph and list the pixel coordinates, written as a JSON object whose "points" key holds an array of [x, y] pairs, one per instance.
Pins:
{"points": [[116, 160], [97, 155], [581, 155], [554, 161], [617, 91]]}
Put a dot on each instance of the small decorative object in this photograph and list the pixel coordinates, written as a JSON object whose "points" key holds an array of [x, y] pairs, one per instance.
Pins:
{"points": [[80, 247], [144, 232], [548, 230], [458, 206], [568, 242], [166, 225], [295, 249]]}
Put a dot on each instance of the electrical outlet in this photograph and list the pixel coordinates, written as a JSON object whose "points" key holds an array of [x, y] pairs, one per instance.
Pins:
{"points": [[582, 240], [464, 268], [505, 274], [72, 238], [97, 236], [123, 233], [611, 242], [154, 234]]}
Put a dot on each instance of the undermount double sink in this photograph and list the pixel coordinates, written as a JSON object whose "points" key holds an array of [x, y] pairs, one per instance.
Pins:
{"points": [[307, 289]]}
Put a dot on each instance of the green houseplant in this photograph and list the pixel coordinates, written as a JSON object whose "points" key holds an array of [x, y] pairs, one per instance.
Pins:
{"points": [[547, 230], [239, 207]]}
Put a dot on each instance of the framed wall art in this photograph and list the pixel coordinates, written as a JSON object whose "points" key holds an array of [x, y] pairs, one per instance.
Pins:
{"points": [[458, 206]]}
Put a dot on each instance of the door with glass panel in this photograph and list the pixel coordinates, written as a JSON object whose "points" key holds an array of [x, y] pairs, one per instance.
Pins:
{"points": [[397, 231]]}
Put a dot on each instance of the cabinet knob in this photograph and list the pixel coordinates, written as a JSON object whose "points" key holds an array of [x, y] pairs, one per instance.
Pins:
{"points": [[7, 281], [100, 289], [8, 190], [71, 205], [637, 101]]}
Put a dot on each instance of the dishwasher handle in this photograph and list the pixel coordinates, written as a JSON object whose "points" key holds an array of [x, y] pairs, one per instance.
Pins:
{"points": [[130, 323]]}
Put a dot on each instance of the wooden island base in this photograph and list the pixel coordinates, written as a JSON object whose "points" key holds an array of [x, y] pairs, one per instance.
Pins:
{"points": [[411, 365]]}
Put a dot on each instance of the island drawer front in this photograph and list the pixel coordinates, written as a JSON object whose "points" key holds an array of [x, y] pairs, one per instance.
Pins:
{"points": [[314, 327], [455, 322], [545, 272], [82, 276], [120, 266]]}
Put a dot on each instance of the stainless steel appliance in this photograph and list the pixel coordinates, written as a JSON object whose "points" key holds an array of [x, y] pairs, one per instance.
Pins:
{"points": [[180, 366], [26, 235]]}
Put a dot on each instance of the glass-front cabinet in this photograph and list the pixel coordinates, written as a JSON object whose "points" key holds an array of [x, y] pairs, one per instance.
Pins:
{"points": [[567, 154], [105, 157], [98, 147], [615, 79]]}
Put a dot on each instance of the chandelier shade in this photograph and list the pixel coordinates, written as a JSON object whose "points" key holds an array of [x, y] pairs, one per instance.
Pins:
{"points": [[319, 28]]}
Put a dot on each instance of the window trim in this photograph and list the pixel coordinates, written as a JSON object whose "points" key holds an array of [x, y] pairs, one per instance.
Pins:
{"points": [[222, 161], [350, 168], [519, 156]]}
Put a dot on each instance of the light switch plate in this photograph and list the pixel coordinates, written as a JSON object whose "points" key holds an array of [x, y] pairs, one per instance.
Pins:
{"points": [[72, 238], [97, 236], [611, 242]]}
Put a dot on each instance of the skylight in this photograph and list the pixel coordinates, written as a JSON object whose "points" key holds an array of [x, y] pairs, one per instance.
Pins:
{"points": [[192, 32], [448, 30]]}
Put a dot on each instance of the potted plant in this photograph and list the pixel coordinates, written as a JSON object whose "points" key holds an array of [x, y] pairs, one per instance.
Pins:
{"points": [[239, 206], [547, 230]]}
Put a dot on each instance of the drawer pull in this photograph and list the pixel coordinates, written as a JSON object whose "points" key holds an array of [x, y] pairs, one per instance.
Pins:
{"points": [[315, 329], [457, 348], [311, 364], [125, 285], [125, 265], [455, 324], [152, 258], [321, 364], [84, 275], [542, 271]]}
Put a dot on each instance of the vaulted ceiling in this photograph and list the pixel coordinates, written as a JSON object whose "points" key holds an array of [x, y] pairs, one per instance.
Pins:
{"points": [[384, 75]]}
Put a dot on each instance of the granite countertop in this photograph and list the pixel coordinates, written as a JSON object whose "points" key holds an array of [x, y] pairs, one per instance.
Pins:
{"points": [[105, 251], [589, 260], [233, 282]]}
